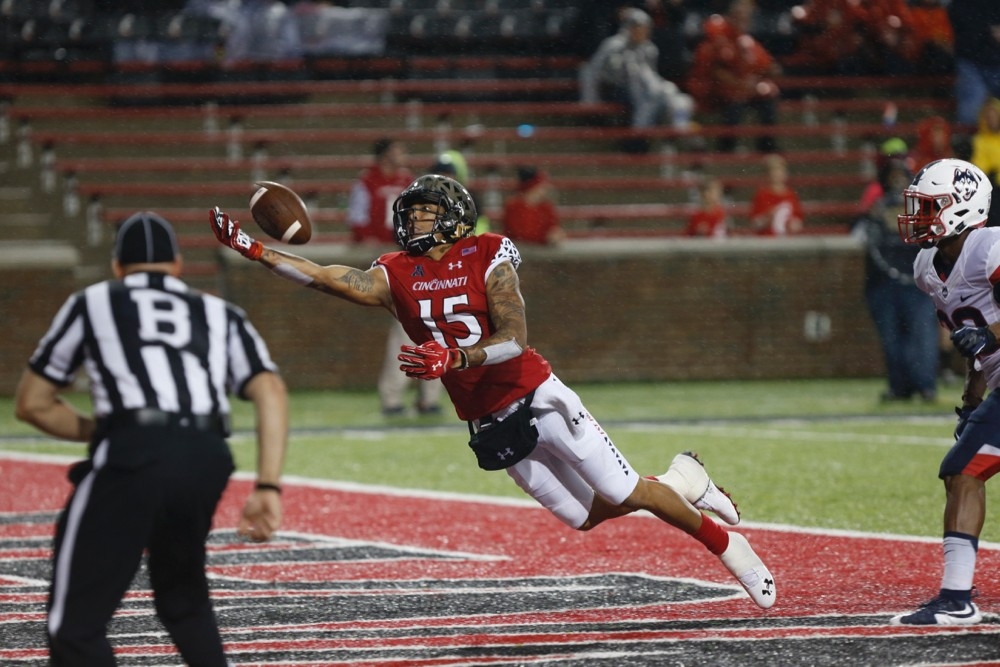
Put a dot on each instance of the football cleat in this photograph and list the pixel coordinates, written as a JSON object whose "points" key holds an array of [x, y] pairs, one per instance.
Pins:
{"points": [[941, 611], [744, 564], [687, 476]]}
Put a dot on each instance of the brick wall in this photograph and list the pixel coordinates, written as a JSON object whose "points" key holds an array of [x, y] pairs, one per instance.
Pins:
{"points": [[37, 278], [598, 310], [604, 311]]}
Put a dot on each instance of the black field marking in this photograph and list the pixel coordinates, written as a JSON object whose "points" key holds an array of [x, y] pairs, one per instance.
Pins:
{"points": [[393, 580]]}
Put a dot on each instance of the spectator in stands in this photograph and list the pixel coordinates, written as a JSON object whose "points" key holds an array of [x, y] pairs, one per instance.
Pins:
{"points": [[732, 72], [851, 37], [776, 209], [891, 149], [889, 37], [369, 206], [976, 26], [710, 219], [933, 39], [624, 69], [369, 215], [255, 30], [903, 315], [829, 37], [933, 141], [596, 21], [986, 150], [530, 215]]}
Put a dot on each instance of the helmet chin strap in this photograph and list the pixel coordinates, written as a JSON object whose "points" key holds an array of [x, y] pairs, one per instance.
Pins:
{"points": [[418, 245]]}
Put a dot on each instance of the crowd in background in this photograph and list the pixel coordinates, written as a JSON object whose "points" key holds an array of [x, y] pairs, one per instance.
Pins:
{"points": [[676, 63], [673, 63]]}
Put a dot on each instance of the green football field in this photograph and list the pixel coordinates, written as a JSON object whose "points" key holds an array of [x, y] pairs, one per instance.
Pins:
{"points": [[822, 454]]}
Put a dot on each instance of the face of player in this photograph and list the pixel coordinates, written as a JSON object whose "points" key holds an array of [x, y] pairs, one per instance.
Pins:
{"points": [[422, 217]]}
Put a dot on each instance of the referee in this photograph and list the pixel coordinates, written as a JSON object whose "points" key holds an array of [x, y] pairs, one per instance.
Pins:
{"points": [[161, 359]]}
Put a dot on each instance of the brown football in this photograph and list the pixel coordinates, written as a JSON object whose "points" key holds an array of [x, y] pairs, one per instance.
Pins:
{"points": [[280, 213]]}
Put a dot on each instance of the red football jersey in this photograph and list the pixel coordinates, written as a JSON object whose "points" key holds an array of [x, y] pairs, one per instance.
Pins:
{"points": [[784, 209], [445, 300], [382, 192]]}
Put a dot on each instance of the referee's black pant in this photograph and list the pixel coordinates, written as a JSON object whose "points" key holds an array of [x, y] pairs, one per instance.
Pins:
{"points": [[143, 488]]}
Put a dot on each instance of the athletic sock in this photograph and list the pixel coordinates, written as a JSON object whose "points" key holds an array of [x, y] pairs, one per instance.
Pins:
{"points": [[959, 565], [712, 535]]}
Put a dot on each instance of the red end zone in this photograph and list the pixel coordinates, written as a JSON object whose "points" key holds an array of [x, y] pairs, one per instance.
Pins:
{"points": [[363, 576]]}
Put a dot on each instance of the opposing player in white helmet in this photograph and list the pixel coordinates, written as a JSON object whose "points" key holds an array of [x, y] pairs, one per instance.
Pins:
{"points": [[946, 207]]}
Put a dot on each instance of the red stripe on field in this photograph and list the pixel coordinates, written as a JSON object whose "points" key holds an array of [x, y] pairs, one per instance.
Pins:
{"points": [[469, 539], [816, 574], [854, 575]]}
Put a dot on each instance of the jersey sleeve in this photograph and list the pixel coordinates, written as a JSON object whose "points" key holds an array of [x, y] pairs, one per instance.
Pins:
{"points": [[247, 351], [506, 252], [60, 351]]}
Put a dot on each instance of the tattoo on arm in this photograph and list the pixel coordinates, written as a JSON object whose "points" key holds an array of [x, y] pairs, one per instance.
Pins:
{"points": [[506, 311], [367, 288], [358, 281], [506, 303]]}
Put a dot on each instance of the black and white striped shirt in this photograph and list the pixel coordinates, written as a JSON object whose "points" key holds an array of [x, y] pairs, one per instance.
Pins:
{"points": [[149, 341]]}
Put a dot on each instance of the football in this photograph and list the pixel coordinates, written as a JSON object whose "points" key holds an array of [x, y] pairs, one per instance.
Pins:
{"points": [[280, 213]]}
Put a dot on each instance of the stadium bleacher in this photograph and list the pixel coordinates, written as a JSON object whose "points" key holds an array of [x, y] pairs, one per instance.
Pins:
{"points": [[87, 136]]}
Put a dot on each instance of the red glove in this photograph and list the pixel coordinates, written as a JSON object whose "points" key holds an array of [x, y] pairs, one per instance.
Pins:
{"points": [[229, 234], [430, 360]]}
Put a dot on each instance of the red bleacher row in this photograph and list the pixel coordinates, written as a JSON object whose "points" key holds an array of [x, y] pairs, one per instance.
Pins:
{"points": [[356, 67], [416, 87], [431, 109], [357, 161], [343, 186], [367, 135], [526, 145], [593, 218]]}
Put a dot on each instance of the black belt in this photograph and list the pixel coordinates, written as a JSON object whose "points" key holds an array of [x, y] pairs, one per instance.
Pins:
{"points": [[487, 420], [152, 417]]}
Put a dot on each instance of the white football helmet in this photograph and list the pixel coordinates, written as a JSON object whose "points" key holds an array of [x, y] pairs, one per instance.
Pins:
{"points": [[946, 198]]}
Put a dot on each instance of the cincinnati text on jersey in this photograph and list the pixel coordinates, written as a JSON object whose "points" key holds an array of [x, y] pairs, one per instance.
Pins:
{"points": [[440, 284]]}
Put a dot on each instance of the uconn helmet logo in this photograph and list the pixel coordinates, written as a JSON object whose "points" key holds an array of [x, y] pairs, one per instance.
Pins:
{"points": [[965, 183]]}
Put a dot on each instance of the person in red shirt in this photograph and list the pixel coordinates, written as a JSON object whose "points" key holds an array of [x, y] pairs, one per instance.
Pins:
{"points": [[530, 215], [776, 209], [711, 218], [369, 205], [458, 297], [732, 72]]}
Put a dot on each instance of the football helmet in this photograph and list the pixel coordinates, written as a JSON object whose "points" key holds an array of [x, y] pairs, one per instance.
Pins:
{"points": [[946, 198], [457, 218]]}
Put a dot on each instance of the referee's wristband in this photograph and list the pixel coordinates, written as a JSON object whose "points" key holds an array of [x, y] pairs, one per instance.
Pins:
{"points": [[264, 486]]}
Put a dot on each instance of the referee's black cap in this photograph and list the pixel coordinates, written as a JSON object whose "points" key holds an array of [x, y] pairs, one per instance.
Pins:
{"points": [[145, 238]]}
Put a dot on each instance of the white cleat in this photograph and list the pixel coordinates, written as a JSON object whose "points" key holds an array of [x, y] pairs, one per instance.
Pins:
{"points": [[744, 564], [687, 476]]}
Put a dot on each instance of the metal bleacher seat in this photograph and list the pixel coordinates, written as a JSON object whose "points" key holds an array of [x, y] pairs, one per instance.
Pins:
{"points": [[37, 31]]}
